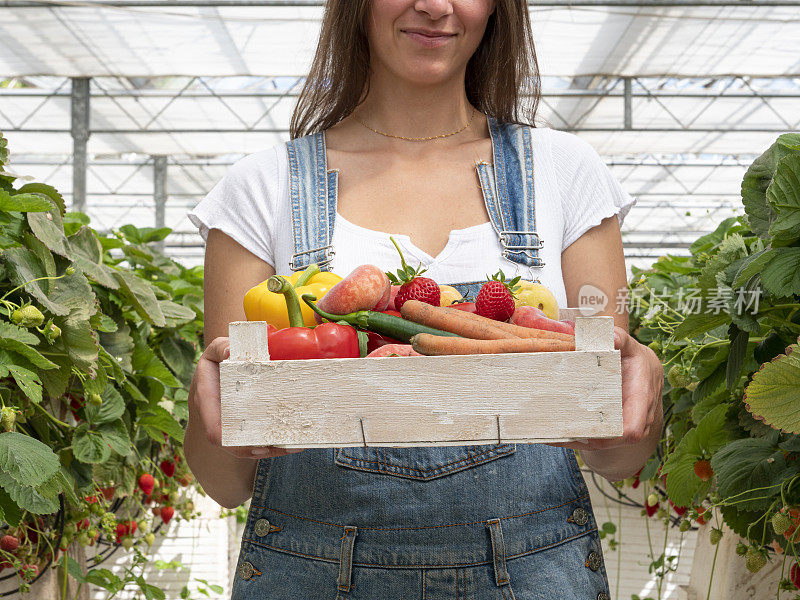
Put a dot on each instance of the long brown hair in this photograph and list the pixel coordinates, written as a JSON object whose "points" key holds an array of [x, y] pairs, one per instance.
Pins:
{"points": [[502, 70]]}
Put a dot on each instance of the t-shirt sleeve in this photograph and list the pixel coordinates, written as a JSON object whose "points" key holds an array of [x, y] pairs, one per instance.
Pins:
{"points": [[242, 204], [589, 191]]}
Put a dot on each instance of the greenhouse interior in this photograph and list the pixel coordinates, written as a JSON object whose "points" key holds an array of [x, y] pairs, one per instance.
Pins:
{"points": [[130, 112]]}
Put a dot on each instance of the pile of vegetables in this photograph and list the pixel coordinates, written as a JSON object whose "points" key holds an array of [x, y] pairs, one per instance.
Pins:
{"points": [[371, 313], [99, 335], [726, 323]]}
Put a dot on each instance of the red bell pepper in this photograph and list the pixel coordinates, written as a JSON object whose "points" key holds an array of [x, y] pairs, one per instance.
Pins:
{"points": [[329, 340]]}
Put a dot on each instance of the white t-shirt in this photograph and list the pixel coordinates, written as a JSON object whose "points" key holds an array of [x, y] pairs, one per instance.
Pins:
{"points": [[573, 190]]}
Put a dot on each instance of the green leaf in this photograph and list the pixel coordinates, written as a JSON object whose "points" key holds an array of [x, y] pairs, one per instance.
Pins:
{"points": [[79, 341], [783, 196], [157, 421], [26, 459], [772, 394], [88, 254], [67, 484], [28, 382], [48, 191], [740, 521], [24, 266], [752, 264], [105, 579], [747, 464], [110, 410], [683, 485], [90, 446], [175, 314], [23, 202], [119, 344], [142, 298], [10, 332], [11, 510], [697, 323], [145, 362], [179, 355], [116, 435], [55, 380], [737, 354], [151, 592], [48, 228], [781, 276], [74, 569], [755, 184], [41, 500]]}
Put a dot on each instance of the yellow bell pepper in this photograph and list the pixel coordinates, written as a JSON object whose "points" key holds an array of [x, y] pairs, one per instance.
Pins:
{"points": [[533, 293], [262, 305]]}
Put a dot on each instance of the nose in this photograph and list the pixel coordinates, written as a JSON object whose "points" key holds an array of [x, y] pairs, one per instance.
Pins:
{"points": [[435, 9]]}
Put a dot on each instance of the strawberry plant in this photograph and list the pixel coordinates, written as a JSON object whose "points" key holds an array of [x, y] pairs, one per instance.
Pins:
{"points": [[99, 335], [725, 321]]}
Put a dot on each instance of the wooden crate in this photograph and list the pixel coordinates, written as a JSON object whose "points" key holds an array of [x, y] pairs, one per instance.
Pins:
{"points": [[422, 400]]}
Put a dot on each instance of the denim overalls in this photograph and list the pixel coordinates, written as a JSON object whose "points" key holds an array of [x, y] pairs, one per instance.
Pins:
{"points": [[487, 522]]}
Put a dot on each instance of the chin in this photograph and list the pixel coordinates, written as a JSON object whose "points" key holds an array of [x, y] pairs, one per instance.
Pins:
{"points": [[425, 74]]}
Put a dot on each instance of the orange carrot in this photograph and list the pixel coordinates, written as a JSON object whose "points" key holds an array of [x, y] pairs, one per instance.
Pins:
{"points": [[517, 330], [453, 321], [436, 345]]}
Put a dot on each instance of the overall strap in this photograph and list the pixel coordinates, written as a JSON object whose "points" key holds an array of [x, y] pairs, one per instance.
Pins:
{"points": [[510, 200], [312, 192]]}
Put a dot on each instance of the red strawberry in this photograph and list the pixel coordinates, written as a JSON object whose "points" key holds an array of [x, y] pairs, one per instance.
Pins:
{"points": [[9, 543], [412, 286], [185, 480], [167, 467], [166, 513], [108, 492], [651, 510], [679, 510], [146, 483], [495, 299], [702, 468], [794, 575]]}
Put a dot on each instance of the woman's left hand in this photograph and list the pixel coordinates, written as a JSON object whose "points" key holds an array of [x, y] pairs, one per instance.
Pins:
{"points": [[642, 384]]}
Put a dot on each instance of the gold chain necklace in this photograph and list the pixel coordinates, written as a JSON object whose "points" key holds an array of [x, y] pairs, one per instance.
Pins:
{"points": [[419, 139]]}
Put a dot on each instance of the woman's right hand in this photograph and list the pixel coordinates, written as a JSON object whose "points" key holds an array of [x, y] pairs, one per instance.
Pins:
{"points": [[204, 404]]}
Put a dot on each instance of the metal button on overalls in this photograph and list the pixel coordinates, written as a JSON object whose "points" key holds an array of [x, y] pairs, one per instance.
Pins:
{"points": [[580, 516], [593, 561], [246, 570], [262, 527], [603, 596]]}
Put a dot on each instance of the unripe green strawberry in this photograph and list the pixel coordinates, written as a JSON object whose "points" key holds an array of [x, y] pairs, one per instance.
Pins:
{"points": [[127, 541], [741, 549], [714, 536], [30, 316], [655, 346], [149, 539], [661, 513], [652, 499], [755, 560], [70, 270], [8, 416], [95, 398], [781, 522], [678, 377], [685, 525], [52, 333], [83, 538]]}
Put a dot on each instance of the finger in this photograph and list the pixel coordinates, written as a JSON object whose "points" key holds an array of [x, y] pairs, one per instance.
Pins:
{"points": [[624, 342], [218, 350]]}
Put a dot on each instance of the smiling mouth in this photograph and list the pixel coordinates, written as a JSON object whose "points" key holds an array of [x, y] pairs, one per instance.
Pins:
{"points": [[428, 34]]}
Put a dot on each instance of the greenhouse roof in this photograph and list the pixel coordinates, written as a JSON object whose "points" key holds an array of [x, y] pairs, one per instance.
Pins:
{"points": [[677, 96]]}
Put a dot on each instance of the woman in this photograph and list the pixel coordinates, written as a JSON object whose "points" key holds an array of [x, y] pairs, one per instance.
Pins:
{"points": [[404, 99]]}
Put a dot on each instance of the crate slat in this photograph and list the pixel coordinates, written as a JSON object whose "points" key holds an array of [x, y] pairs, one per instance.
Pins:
{"points": [[422, 401]]}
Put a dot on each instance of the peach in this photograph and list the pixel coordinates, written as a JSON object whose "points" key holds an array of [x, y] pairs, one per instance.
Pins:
{"points": [[365, 288]]}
